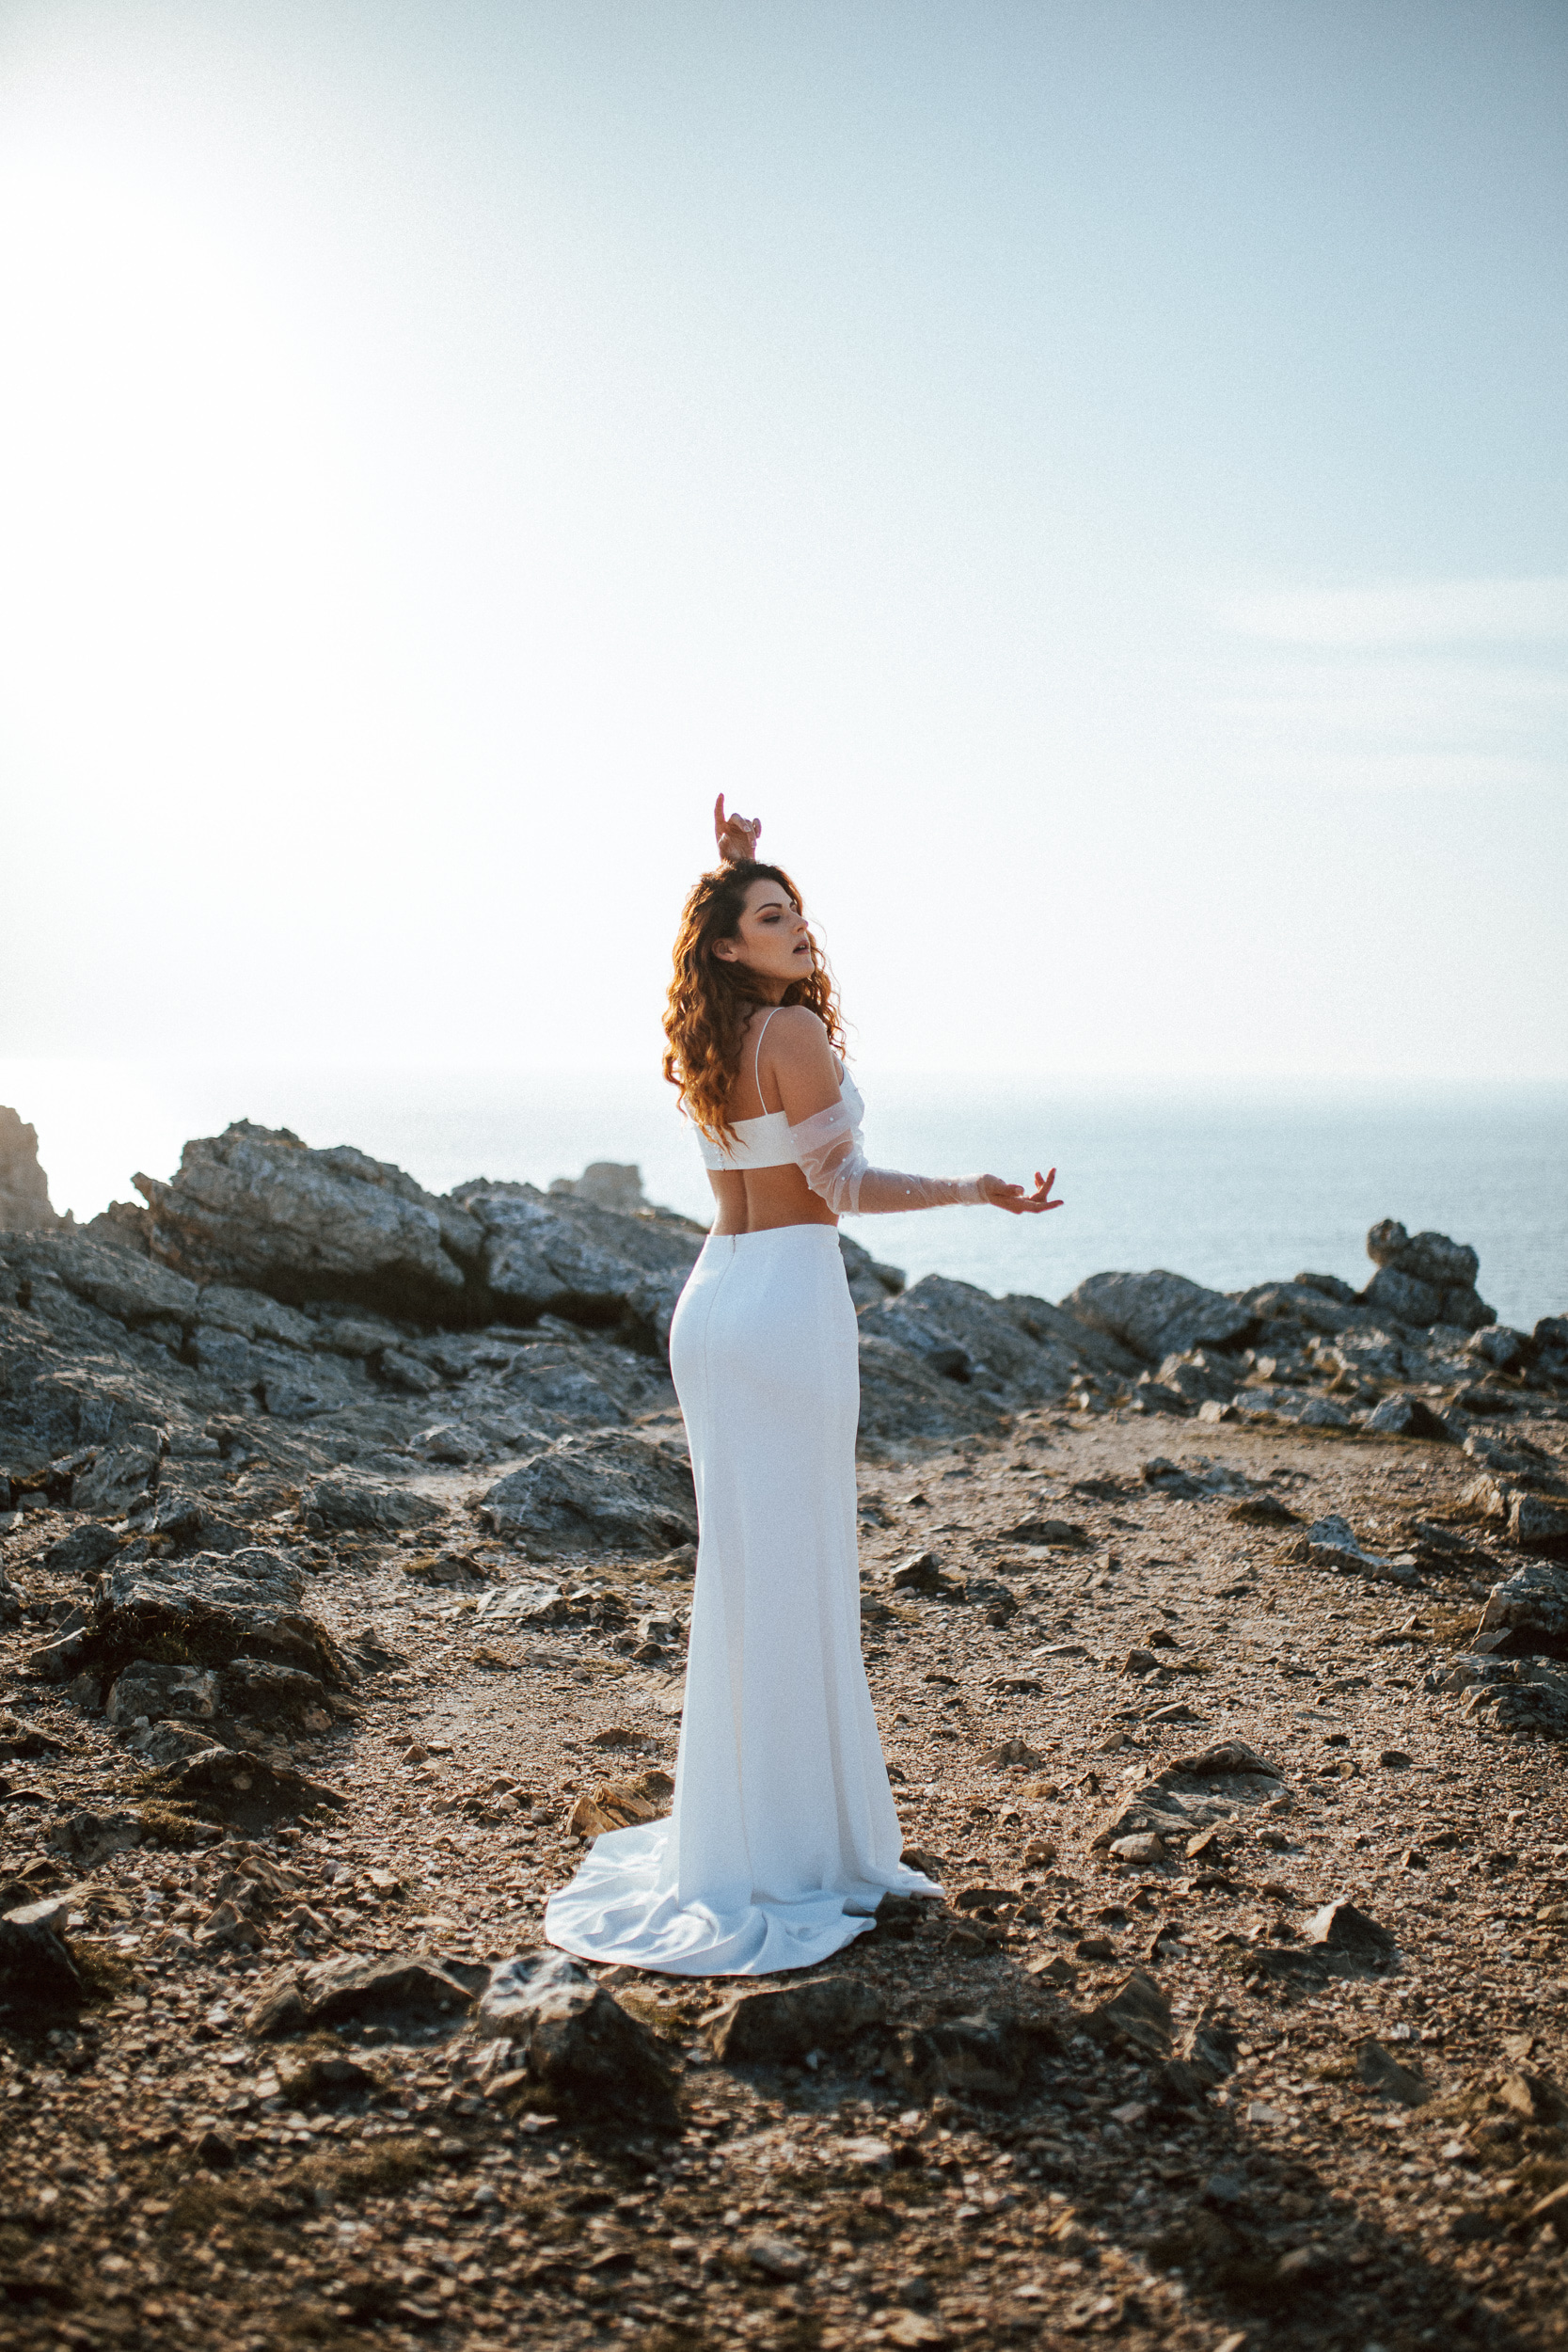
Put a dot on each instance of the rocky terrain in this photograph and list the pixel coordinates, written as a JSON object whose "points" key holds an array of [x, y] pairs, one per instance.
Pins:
{"points": [[1220, 1646]]}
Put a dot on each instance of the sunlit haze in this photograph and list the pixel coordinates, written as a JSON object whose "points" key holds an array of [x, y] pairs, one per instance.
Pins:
{"points": [[1091, 477]]}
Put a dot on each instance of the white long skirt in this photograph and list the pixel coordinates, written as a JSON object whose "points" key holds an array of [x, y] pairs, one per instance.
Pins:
{"points": [[782, 1838]]}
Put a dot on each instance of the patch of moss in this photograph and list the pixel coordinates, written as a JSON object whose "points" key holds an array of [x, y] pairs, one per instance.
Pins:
{"points": [[104, 1971], [176, 1824], [376, 2171]]}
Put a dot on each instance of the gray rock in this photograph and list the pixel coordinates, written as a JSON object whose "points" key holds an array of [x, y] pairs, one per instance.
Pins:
{"points": [[250, 1313], [921, 1335], [1328, 1285], [254, 1207], [207, 1610], [1138, 2016], [605, 1185], [1550, 1341], [903, 1400], [1225, 1759], [1306, 1303], [450, 1441], [150, 1689], [1157, 1314], [1514, 1458], [1429, 1258], [776, 2258], [1077, 1343], [1402, 1297], [782, 2022], [1339, 1926], [119, 1281], [1537, 1523], [25, 1205], [1199, 1374], [870, 1281], [1531, 1608], [577, 2043], [1406, 1416], [295, 1389], [1502, 1349], [400, 1371], [965, 1334], [1213, 2049], [90, 1839], [260, 1691], [564, 1256], [534, 1603], [223, 1356], [82, 1553], [117, 1477], [1299, 1407], [553, 1385], [1424, 1280], [921, 1573], [402, 1987], [984, 2056], [610, 1492], [1525, 1697], [37, 1970], [360, 1504], [251, 1790], [1381, 2072]]}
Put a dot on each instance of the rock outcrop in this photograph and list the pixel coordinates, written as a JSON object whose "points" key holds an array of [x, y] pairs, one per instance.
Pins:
{"points": [[1426, 1280], [24, 1186], [257, 1206], [374, 1341], [1157, 1314]]}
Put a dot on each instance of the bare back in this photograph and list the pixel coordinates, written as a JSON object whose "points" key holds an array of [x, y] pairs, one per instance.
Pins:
{"points": [[758, 1199]]}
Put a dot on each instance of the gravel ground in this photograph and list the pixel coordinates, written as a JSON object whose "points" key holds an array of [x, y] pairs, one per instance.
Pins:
{"points": [[1265, 2146]]}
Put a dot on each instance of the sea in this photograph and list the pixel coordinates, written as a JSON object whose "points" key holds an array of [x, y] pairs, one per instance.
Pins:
{"points": [[1228, 1184]]}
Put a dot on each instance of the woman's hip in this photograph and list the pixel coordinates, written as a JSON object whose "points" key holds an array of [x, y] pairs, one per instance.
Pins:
{"points": [[767, 1308]]}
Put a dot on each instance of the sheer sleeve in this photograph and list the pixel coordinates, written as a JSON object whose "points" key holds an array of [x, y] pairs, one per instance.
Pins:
{"points": [[834, 1167]]}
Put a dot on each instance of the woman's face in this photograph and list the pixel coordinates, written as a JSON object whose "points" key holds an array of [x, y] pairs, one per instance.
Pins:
{"points": [[774, 939]]}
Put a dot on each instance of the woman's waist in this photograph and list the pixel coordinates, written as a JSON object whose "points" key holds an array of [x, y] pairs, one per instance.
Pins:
{"points": [[813, 1233]]}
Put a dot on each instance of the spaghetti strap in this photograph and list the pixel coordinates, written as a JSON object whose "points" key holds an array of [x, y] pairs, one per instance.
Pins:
{"points": [[757, 1062]]}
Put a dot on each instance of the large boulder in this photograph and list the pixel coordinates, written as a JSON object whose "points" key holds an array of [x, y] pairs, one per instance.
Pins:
{"points": [[966, 1335], [562, 1254], [256, 1207], [25, 1205], [1424, 1280], [1158, 1315], [905, 1399], [607, 1492]]}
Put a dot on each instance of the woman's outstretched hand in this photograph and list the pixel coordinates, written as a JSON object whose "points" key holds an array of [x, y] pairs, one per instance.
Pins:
{"points": [[736, 836], [1015, 1199]]}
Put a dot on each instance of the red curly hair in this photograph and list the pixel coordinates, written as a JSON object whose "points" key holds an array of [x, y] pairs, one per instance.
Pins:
{"points": [[711, 1000]]}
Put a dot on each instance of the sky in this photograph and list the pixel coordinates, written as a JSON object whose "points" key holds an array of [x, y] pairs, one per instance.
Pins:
{"points": [[1091, 477]]}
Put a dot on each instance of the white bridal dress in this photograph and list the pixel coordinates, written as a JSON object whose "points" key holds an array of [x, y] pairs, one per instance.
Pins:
{"points": [[782, 1838]]}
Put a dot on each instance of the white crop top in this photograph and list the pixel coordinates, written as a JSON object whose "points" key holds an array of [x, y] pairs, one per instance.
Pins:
{"points": [[827, 1149]]}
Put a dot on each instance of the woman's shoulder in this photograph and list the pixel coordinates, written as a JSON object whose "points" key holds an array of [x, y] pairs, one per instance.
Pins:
{"points": [[796, 1029]]}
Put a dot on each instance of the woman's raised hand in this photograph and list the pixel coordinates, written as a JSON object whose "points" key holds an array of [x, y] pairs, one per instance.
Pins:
{"points": [[736, 836], [1015, 1199]]}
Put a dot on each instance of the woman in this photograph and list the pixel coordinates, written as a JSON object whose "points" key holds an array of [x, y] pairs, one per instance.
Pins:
{"points": [[783, 1838]]}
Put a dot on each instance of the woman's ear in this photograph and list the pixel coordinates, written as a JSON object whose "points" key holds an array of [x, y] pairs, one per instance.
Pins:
{"points": [[727, 950]]}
